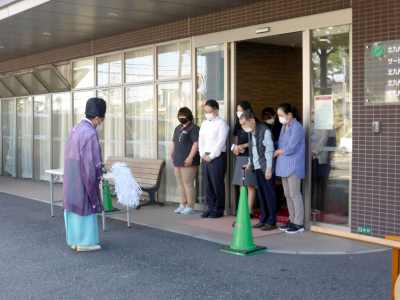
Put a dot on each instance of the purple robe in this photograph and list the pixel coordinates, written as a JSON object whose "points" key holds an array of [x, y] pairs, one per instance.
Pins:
{"points": [[82, 171]]}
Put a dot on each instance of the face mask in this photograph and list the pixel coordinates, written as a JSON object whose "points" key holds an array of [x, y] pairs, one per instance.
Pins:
{"points": [[247, 129], [209, 117], [270, 121], [283, 120], [239, 114], [183, 120], [99, 127]]}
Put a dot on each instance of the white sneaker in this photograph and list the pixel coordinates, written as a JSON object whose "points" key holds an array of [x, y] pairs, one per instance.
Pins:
{"points": [[88, 248], [188, 211], [179, 209]]}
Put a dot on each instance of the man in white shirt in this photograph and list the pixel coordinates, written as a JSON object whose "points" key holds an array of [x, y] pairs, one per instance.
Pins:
{"points": [[212, 148]]}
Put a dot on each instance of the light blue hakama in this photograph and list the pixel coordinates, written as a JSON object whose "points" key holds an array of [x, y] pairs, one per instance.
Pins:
{"points": [[81, 230]]}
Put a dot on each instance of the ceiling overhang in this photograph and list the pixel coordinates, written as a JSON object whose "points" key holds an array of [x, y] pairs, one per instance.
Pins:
{"points": [[33, 26]]}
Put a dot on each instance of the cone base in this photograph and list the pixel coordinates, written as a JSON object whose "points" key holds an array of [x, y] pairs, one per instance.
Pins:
{"points": [[258, 249]]}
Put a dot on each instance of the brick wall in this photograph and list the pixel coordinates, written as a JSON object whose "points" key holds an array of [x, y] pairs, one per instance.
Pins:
{"points": [[376, 157], [268, 75], [251, 14]]}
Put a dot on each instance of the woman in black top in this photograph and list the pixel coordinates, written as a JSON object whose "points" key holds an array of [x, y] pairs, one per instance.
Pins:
{"points": [[242, 156], [185, 157]]}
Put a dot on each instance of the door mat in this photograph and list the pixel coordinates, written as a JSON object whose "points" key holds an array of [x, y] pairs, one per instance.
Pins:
{"points": [[224, 225]]}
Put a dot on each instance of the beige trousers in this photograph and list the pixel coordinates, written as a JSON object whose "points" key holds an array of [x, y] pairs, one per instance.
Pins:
{"points": [[185, 178], [291, 187]]}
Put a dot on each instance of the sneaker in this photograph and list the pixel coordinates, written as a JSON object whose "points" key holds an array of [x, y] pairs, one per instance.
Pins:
{"points": [[286, 227], [187, 211], [295, 229], [73, 247], [316, 211], [180, 209], [88, 248], [215, 215]]}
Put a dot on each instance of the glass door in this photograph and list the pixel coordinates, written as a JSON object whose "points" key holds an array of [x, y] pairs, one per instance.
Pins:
{"points": [[211, 83], [331, 126]]}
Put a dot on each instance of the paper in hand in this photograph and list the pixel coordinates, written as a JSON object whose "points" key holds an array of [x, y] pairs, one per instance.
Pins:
{"points": [[235, 148]]}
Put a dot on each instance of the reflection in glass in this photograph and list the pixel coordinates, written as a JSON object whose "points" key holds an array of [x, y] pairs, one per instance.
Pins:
{"points": [[210, 85], [139, 65], [8, 127], [331, 129], [139, 121], [51, 80], [80, 99], [83, 73], [170, 98], [61, 127], [173, 60], [14, 86], [32, 83], [109, 70], [111, 137], [42, 137], [24, 137]]}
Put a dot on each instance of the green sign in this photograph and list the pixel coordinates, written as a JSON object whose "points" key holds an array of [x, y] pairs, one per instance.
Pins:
{"points": [[364, 230]]}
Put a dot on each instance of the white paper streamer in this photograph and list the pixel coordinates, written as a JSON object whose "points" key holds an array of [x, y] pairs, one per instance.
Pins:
{"points": [[127, 189]]}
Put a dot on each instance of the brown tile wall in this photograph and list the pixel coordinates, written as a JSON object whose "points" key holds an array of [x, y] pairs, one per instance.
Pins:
{"points": [[268, 75], [376, 157], [251, 14]]}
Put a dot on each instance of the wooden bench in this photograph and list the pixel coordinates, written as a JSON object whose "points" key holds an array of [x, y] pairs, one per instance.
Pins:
{"points": [[147, 173]]}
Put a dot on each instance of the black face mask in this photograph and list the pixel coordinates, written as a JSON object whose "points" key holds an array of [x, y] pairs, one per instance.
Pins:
{"points": [[183, 120]]}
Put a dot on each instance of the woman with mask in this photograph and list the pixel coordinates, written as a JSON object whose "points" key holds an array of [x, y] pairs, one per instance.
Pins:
{"points": [[291, 164], [242, 154], [185, 158]]}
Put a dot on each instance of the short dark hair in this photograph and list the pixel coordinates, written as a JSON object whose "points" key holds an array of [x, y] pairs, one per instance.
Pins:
{"points": [[212, 103], [267, 111], [184, 111], [90, 117]]}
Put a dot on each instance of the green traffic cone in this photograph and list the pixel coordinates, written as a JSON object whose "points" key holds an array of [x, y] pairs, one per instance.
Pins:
{"points": [[243, 238]]}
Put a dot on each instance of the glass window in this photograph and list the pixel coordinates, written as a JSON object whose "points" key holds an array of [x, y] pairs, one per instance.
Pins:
{"points": [[32, 83], [170, 98], [8, 127], [139, 65], [140, 121], [210, 79], [209, 85], [83, 73], [4, 92], [61, 127], [24, 137], [331, 126], [80, 99], [42, 137], [51, 80], [173, 60], [109, 70], [14, 86], [111, 137]]}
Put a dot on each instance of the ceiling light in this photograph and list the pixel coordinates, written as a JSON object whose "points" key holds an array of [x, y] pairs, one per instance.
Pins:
{"points": [[1, 47], [113, 14], [46, 33]]}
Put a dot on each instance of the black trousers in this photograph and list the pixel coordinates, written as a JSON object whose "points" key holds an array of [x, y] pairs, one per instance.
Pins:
{"points": [[267, 196], [214, 174]]}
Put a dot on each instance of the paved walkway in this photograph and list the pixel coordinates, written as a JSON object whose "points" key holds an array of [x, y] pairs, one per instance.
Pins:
{"points": [[164, 218]]}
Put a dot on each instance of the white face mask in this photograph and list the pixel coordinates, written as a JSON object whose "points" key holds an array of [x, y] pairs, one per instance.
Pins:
{"points": [[270, 121], [209, 117], [247, 129], [99, 127], [283, 120], [239, 114]]}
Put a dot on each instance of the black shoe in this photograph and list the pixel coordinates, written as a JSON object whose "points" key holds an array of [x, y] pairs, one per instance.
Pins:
{"points": [[286, 227], [251, 216], [295, 229], [215, 215], [206, 214]]}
